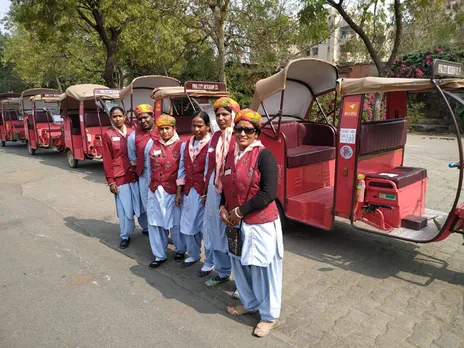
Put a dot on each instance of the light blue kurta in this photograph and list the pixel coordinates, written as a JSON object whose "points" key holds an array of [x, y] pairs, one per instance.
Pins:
{"points": [[214, 236], [191, 220], [213, 227], [125, 210], [140, 188], [258, 272]]}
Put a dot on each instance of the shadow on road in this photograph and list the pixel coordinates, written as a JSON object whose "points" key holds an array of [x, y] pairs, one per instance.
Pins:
{"points": [[170, 279], [93, 170], [368, 254]]}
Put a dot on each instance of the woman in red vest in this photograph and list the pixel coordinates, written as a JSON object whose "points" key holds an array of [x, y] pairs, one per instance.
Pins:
{"points": [[163, 215], [119, 173], [221, 143], [248, 205], [191, 183]]}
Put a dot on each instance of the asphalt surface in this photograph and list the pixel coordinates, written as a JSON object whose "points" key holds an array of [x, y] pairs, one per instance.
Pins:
{"points": [[65, 283]]}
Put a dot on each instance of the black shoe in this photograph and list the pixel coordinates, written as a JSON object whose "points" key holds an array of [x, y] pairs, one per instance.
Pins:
{"points": [[124, 243], [204, 273], [145, 232], [188, 264], [179, 257], [156, 263]]}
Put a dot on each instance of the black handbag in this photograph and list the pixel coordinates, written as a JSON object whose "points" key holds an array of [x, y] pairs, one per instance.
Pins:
{"points": [[234, 234]]}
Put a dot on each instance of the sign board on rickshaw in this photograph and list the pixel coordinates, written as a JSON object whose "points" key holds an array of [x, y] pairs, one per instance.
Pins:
{"points": [[205, 86], [102, 92], [449, 69]]}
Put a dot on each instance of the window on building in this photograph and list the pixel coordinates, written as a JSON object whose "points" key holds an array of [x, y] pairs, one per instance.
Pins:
{"points": [[315, 51], [345, 32]]}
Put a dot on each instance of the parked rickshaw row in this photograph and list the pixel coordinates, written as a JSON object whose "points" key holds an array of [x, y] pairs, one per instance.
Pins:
{"points": [[340, 166]]}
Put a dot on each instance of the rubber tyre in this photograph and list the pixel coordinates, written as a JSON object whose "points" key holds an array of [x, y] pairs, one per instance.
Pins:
{"points": [[71, 160], [30, 149], [3, 143]]}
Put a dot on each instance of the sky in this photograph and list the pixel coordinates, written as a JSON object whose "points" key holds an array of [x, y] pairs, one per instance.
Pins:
{"points": [[4, 7]]}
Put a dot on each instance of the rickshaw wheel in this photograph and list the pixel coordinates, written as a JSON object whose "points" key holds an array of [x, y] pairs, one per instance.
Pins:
{"points": [[3, 143], [71, 160], [30, 149]]}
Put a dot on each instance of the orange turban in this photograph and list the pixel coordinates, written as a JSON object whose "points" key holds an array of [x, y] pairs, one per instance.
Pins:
{"points": [[226, 103]]}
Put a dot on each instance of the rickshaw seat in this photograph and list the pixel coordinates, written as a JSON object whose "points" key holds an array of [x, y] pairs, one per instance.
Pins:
{"points": [[405, 176], [42, 117], [308, 143], [309, 154]]}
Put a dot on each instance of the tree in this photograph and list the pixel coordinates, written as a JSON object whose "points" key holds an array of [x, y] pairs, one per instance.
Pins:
{"points": [[102, 20], [9, 79]]}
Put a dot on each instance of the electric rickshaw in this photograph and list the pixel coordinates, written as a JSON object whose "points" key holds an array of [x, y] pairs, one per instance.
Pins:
{"points": [[85, 111], [42, 120], [183, 102], [11, 122], [140, 90], [353, 170]]}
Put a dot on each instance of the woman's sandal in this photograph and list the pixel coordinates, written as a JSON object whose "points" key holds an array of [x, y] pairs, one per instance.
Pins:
{"points": [[264, 327], [239, 310]]}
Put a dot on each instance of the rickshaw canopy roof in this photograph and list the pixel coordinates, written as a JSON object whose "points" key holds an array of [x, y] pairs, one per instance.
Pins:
{"points": [[148, 82], [176, 92], [84, 92], [302, 79], [4, 96], [347, 86], [35, 91], [12, 101], [47, 99]]}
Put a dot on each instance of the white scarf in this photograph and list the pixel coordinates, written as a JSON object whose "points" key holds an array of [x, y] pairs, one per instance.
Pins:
{"points": [[170, 141], [239, 154]]}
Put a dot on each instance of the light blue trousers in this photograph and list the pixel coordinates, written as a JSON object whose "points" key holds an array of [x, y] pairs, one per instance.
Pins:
{"points": [[194, 248], [159, 241], [127, 226], [222, 264], [260, 288], [143, 221]]}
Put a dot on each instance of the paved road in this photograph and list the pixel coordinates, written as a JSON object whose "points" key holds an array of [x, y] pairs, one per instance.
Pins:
{"points": [[64, 282]]}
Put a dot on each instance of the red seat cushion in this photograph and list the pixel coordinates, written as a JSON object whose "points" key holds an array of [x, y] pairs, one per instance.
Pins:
{"points": [[405, 176], [309, 154]]}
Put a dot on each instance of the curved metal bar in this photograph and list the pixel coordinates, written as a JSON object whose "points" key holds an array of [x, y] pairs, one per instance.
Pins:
{"points": [[461, 156]]}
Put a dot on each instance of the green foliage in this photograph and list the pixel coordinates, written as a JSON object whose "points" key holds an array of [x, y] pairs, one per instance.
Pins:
{"points": [[415, 111], [9, 79]]}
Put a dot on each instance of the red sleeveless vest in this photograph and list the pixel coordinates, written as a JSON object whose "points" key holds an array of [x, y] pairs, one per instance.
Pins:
{"points": [[164, 162], [141, 139], [194, 172], [117, 164], [236, 184]]}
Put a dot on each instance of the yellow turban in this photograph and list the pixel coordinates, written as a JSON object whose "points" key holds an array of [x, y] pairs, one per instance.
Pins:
{"points": [[250, 116], [144, 108], [165, 120], [226, 103]]}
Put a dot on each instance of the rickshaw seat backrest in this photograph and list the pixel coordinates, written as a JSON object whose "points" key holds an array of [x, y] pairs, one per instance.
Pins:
{"points": [[381, 136], [315, 134], [42, 117]]}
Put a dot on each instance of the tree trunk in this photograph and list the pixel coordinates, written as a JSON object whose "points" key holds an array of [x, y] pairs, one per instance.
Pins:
{"points": [[110, 63], [222, 57], [376, 115]]}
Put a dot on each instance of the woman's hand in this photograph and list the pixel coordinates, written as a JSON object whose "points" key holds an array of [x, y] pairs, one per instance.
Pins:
{"points": [[114, 188], [225, 216], [203, 200], [178, 199], [234, 217]]}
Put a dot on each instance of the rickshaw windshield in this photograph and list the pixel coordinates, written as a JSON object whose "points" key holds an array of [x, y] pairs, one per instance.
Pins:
{"points": [[206, 104]]}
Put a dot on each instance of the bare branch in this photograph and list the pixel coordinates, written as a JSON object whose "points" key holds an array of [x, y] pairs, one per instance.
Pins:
{"points": [[399, 30]]}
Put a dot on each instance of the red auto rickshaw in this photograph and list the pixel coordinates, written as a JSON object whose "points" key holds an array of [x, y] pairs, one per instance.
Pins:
{"points": [[353, 169], [140, 90], [11, 121], [85, 111], [42, 121], [182, 102]]}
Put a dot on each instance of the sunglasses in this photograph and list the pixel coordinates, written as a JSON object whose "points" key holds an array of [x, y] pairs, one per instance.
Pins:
{"points": [[247, 130]]}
